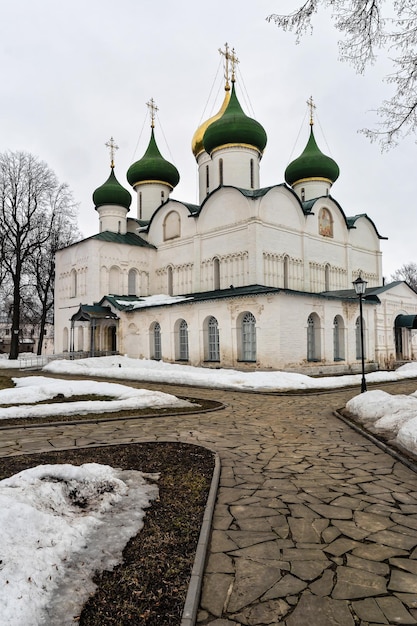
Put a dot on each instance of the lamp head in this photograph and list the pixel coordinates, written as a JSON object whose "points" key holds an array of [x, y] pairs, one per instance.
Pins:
{"points": [[359, 285]]}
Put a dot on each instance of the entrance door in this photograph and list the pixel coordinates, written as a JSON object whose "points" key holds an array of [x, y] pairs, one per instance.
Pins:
{"points": [[112, 339], [399, 343]]}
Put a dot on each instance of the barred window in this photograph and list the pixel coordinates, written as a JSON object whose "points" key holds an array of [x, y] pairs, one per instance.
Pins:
{"points": [[248, 337], [213, 344], [183, 341]]}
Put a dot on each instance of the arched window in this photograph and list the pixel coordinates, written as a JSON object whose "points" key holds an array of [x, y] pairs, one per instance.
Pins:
{"points": [[172, 225], [327, 277], [80, 339], [207, 179], [338, 339], [140, 205], [216, 273], [65, 336], [313, 338], [303, 194], [252, 174], [73, 283], [248, 337], [182, 340], [220, 171], [132, 283], [156, 351], [212, 347], [114, 281], [286, 271], [325, 223], [358, 338], [170, 283]]}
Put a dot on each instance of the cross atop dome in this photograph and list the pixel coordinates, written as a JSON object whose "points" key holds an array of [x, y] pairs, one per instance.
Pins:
{"points": [[112, 147], [229, 56], [152, 109], [311, 106]]}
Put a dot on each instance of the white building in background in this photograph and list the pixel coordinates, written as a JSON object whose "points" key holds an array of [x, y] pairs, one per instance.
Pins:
{"points": [[249, 278], [28, 336]]}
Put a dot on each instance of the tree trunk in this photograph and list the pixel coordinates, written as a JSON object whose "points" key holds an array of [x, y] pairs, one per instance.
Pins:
{"points": [[14, 342], [42, 325]]}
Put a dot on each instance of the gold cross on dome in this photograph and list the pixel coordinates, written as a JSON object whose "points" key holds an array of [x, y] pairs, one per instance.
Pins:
{"points": [[153, 109], [312, 106], [112, 147], [229, 56]]}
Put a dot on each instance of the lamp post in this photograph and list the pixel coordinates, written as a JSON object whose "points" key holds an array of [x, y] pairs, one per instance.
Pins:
{"points": [[360, 287]]}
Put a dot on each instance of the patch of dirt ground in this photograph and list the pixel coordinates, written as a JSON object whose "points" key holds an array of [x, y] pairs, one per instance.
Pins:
{"points": [[149, 587]]}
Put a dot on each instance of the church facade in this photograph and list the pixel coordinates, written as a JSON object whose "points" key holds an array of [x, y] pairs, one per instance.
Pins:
{"points": [[250, 278]]}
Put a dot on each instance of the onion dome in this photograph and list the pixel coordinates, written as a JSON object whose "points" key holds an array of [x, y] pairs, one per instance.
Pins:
{"points": [[112, 192], [234, 127], [197, 145], [152, 167], [312, 164]]}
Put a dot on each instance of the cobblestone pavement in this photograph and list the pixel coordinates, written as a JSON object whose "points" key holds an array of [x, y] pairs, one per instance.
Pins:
{"points": [[314, 525]]}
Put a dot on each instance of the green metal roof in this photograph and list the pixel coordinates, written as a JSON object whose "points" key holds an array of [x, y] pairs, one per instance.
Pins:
{"points": [[247, 290], [112, 192], [311, 163], [129, 239], [117, 301], [234, 127], [350, 294], [387, 287], [87, 312], [352, 220], [406, 321], [153, 167], [257, 193], [193, 208]]}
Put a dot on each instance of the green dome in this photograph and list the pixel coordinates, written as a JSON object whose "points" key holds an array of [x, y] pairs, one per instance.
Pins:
{"points": [[112, 192], [234, 127], [312, 163], [153, 167]]}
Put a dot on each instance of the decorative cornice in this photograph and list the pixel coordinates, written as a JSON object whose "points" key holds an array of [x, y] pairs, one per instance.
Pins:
{"points": [[312, 179], [152, 182], [245, 146]]}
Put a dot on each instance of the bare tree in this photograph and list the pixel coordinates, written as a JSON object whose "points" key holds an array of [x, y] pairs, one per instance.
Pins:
{"points": [[42, 270], [365, 27], [28, 213], [407, 272]]}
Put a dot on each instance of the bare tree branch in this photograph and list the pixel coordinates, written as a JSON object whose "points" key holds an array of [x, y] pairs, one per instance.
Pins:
{"points": [[34, 212], [364, 30], [407, 272]]}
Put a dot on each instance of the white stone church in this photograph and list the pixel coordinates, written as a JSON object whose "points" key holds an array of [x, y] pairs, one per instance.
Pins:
{"points": [[250, 278]]}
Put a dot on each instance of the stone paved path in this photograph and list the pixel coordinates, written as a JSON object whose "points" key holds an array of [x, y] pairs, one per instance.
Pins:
{"points": [[314, 525]]}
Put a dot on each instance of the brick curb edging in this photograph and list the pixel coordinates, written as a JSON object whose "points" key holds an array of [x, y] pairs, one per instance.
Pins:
{"points": [[192, 599]]}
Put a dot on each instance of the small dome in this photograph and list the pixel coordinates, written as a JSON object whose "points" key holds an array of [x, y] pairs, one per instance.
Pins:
{"points": [[234, 127], [152, 167], [112, 192], [197, 145], [312, 163]]}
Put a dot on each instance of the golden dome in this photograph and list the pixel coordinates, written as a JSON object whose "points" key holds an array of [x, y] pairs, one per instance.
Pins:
{"points": [[197, 140]]}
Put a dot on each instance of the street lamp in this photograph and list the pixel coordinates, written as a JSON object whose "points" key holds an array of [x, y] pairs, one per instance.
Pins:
{"points": [[360, 287]]}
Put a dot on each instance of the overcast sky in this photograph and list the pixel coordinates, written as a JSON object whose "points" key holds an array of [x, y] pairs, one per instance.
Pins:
{"points": [[74, 74]]}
